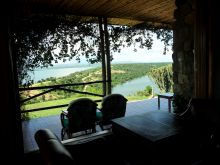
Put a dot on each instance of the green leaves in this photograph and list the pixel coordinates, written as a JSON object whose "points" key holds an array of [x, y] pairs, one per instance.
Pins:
{"points": [[41, 40], [163, 77]]}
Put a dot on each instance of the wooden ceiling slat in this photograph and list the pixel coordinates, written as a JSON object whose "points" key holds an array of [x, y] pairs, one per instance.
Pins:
{"points": [[128, 8], [157, 7], [110, 6], [136, 6], [118, 21], [138, 10], [166, 16], [154, 9], [93, 5], [75, 5]]}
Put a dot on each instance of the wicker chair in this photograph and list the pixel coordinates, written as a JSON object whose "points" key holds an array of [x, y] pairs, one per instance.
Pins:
{"points": [[113, 106], [79, 116]]}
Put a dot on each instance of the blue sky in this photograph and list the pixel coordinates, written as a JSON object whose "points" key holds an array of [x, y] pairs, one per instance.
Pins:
{"points": [[143, 55], [155, 54]]}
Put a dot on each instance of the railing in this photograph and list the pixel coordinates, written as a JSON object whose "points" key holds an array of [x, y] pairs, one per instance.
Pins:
{"points": [[57, 87]]}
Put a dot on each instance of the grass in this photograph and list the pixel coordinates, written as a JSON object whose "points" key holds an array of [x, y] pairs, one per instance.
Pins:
{"points": [[137, 98], [54, 111], [57, 111]]}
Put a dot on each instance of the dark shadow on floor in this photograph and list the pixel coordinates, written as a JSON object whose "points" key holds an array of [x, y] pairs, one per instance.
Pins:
{"points": [[112, 150]]}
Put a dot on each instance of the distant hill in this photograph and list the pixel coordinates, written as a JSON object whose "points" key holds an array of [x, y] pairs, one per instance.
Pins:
{"points": [[121, 73]]}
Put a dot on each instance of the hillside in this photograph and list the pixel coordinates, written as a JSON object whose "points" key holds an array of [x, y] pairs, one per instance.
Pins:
{"points": [[121, 73]]}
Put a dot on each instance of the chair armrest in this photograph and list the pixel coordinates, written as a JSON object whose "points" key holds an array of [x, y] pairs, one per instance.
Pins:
{"points": [[65, 112], [51, 148]]}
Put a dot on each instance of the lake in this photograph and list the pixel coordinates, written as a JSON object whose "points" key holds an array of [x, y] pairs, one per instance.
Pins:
{"points": [[138, 84], [40, 74], [128, 88]]}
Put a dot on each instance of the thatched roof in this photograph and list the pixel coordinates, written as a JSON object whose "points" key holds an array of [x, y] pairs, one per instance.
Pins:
{"points": [[127, 12]]}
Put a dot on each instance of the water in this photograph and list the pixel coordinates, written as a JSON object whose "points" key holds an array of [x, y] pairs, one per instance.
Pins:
{"points": [[128, 88], [138, 84], [40, 74]]}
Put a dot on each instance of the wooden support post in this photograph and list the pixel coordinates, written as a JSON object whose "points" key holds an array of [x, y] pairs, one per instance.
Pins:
{"points": [[108, 59], [102, 48]]}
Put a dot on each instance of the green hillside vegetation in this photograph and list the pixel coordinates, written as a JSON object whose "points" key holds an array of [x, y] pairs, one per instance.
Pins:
{"points": [[121, 73], [163, 77], [131, 71]]}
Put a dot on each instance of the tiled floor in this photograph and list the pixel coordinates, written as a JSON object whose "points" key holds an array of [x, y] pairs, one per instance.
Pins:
{"points": [[53, 122]]}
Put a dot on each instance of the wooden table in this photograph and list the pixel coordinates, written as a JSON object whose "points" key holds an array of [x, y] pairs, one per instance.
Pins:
{"points": [[156, 136], [168, 96], [152, 126]]}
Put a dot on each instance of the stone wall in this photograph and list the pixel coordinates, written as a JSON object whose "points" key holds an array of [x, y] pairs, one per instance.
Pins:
{"points": [[183, 49]]}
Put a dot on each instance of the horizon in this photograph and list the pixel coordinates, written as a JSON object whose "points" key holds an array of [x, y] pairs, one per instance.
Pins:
{"points": [[132, 57], [61, 70], [66, 65]]}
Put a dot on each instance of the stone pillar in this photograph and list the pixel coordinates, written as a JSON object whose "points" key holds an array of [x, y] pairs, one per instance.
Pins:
{"points": [[183, 49]]}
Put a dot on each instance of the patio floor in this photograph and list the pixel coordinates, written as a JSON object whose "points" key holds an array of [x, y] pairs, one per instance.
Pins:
{"points": [[53, 122]]}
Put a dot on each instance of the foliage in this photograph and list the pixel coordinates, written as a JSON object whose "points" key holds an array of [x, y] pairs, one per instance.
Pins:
{"points": [[146, 92], [57, 111], [24, 116], [120, 74], [131, 71], [43, 40], [163, 77]]}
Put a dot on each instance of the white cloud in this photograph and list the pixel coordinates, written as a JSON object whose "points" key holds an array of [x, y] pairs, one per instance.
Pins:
{"points": [[143, 55]]}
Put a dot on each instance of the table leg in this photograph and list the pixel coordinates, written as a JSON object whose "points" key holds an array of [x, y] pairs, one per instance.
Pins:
{"points": [[169, 105], [158, 102]]}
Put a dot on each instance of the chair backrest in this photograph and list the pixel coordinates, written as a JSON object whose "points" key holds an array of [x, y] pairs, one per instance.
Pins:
{"points": [[52, 150], [113, 106], [81, 115]]}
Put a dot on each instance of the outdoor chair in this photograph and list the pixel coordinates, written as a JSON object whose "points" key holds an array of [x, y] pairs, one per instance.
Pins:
{"points": [[52, 150], [112, 106], [79, 116]]}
